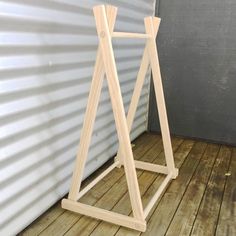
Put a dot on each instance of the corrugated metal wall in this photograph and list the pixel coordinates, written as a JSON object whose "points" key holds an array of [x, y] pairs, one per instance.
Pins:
{"points": [[47, 54]]}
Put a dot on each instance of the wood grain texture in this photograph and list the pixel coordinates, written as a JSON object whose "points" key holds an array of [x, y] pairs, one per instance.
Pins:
{"points": [[206, 220], [181, 154], [227, 217], [115, 195], [170, 200], [197, 174], [183, 220], [155, 154], [62, 224]]}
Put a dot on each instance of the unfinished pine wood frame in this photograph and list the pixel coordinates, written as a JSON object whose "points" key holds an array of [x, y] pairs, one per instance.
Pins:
{"points": [[105, 64]]}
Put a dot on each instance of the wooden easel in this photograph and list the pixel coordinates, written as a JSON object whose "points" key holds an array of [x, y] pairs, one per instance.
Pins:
{"points": [[105, 64]]}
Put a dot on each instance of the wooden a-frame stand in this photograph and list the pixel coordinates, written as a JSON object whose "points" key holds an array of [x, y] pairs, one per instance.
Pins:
{"points": [[105, 64]]}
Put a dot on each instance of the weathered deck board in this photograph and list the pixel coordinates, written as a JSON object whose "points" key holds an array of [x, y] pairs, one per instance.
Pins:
{"points": [[227, 217], [206, 219], [159, 218], [201, 201], [184, 217]]}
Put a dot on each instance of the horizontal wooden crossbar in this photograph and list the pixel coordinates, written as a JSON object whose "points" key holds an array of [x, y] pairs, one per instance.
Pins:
{"points": [[106, 215], [97, 179], [151, 167], [154, 168], [130, 35]]}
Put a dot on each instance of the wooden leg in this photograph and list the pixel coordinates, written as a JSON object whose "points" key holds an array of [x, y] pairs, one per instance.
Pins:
{"points": [[154, 60], [118, 110], [90, 114]]}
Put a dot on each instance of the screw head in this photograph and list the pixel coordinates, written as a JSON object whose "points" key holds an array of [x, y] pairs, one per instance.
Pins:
{"points": [[102, 34]]}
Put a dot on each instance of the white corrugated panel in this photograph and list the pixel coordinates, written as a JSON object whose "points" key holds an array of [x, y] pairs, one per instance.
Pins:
{"points": [[47, 54]]}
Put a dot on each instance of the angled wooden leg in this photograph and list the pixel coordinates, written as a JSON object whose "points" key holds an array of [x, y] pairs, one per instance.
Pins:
{"points": [[118, 110], [137, 90], [90, 114], [157, 81]]}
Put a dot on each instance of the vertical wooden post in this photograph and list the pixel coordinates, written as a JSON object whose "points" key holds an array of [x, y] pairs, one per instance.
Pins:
{"points": [[118, 110], [157, 81], [90, 113]]}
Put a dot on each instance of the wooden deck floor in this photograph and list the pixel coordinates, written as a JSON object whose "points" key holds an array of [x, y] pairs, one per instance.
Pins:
{"points": [[201, 201]]}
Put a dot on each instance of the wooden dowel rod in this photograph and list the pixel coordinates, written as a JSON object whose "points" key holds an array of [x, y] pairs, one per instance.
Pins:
{"points": [[130, 35], [96, 180]]}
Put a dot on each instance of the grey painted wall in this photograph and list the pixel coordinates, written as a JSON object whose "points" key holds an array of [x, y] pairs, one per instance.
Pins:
{"points": [[197, 49]]}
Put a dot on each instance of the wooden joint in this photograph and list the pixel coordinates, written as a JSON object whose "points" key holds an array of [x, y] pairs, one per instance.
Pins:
{"points": [[102, 34], [175, 173], [117, 160]]}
